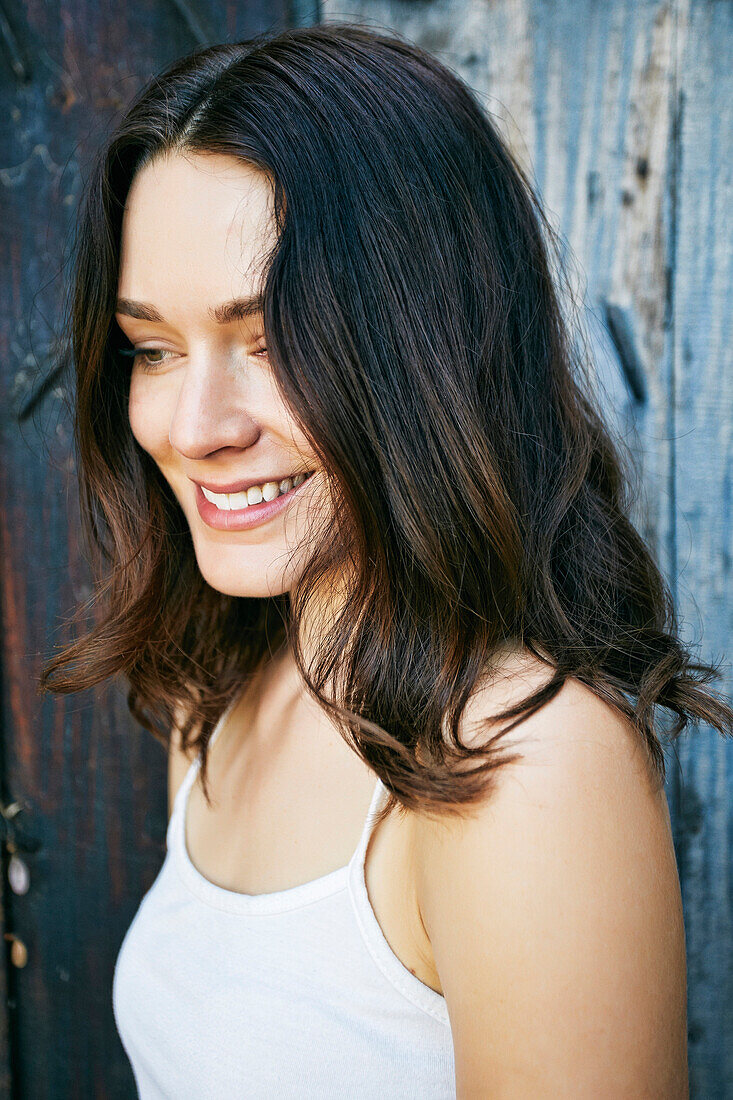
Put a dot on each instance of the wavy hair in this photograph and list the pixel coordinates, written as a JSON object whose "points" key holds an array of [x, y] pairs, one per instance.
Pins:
{"points": [[416, 329]]}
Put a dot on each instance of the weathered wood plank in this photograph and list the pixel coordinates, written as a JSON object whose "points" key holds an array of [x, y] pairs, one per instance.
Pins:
{"points": [[701, 426]]}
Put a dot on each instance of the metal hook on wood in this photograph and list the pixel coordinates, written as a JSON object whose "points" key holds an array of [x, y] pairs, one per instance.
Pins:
{"points": [[621, 332]]}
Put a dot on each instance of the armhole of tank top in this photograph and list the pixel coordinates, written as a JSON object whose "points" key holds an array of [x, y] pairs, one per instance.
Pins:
{"points": [[393, 969]]}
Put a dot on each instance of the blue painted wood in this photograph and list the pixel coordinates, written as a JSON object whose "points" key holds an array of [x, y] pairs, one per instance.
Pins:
{"points": [[701, 423]]}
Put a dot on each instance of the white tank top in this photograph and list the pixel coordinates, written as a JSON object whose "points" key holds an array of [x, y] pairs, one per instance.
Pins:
{"points": [[220, 995]]}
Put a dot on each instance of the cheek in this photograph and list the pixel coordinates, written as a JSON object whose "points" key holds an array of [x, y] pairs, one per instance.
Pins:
{"points": [[147, 414]]}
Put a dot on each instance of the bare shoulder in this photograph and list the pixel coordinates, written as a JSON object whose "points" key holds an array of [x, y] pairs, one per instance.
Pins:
{"points": [[576, 726], [553, 908]]}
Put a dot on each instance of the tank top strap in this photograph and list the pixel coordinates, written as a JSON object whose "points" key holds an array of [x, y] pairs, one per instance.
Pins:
{"points": [[180, 798], [374, 806], [190, 775]]}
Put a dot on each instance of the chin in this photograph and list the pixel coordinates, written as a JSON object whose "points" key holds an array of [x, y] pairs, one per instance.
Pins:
{"points": [[235, 587], [242, 573]]}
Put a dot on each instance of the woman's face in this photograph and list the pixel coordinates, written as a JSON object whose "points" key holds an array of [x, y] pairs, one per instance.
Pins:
{"points": [[203, 401]]}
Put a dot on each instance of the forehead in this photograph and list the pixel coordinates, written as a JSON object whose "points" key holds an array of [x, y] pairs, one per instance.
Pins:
{"points": [[194, 230]]}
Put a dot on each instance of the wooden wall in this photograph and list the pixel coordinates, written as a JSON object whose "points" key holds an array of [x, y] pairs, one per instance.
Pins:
{"points": [[622, 112]]}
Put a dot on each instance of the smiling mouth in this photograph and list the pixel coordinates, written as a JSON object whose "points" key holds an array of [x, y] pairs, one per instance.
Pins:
{"points": [[256, 494]]}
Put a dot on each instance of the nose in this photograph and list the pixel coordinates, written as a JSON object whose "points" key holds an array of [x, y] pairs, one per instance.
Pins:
{"points": [[211, 409]]}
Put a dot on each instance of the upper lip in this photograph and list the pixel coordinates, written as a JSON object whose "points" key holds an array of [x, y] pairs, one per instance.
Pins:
{"points": [[242, 486]]}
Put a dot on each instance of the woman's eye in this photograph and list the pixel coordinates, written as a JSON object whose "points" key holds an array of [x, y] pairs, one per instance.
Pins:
{"points": [[144, 356]]}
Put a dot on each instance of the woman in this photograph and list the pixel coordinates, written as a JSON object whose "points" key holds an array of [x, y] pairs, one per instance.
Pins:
{"points": [[355, 508]]}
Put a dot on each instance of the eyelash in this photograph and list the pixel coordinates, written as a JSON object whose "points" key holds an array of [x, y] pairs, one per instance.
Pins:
{"points": [[139, 354]]}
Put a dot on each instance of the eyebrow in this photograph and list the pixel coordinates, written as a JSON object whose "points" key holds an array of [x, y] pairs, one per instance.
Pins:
{"points": [[237, 309]]}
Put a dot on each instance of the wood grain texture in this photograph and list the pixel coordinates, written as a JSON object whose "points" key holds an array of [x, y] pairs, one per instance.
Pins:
{"points": [[702, 420], [622, 114]]}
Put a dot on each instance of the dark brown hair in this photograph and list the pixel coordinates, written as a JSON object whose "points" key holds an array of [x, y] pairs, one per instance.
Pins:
{"points": [[415, 328]]}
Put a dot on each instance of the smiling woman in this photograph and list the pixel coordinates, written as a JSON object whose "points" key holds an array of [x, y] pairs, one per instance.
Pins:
{"points": [[202, 401], [355, 507]]}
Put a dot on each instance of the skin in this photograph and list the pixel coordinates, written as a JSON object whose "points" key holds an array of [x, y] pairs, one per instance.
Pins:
{"points": [[550, 919], [554, 913], [194, 230]]}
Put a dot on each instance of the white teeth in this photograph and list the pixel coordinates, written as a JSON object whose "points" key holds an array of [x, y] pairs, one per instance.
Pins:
{"points": [[221, 500], [254, 495]]}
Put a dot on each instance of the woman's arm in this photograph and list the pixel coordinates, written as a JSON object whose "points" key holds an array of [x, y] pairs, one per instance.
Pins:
{"points": [[555, 918]]}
